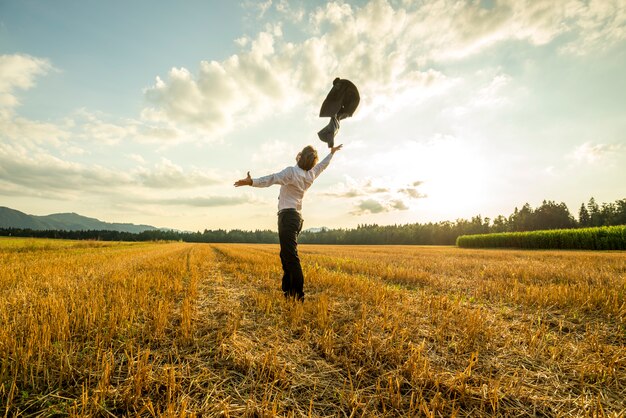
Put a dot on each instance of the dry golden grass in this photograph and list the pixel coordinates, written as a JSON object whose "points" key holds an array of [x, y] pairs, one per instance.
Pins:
{"points": [[175, 329]]}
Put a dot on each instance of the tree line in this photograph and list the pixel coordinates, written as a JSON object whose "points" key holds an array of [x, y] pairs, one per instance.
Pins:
{"points": [[549, 215]]}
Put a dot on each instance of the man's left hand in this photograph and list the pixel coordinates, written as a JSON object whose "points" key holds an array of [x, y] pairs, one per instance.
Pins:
{"points": [[244, 182]]}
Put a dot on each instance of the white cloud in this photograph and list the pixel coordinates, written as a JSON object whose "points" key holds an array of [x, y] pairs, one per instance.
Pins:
{"points": [[355, 188], [18, 72], [137, 158], [398, 204], [488, 90], [274, 151], [378, 206], [412, 192], [490, 95], [104, 129], [591, 153], [93, 128], [264, 6], [270, 74], [260, 7], [368, 187], [39, 171], [208, 201], [452, 29], [390, 49], [25, 131], [74, 150], [82, 126], [292, 12], [39, 175], [601, 24], [386, 48], [238, 90], [375, 196], [369, 206], [167, 175]]}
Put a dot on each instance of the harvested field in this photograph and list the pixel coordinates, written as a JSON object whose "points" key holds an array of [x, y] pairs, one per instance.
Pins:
{"points": [[175, 329]]}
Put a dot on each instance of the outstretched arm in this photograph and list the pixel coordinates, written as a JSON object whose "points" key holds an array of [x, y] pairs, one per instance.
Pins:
{"points": [[244, 182], [266, 181], [321, 166]]}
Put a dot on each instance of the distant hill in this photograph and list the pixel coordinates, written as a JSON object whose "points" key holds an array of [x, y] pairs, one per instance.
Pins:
{"points": [[316, 230], [11, 218]]}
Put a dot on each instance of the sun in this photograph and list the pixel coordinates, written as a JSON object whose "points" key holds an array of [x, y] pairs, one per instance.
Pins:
{"points": [[455, 179]]}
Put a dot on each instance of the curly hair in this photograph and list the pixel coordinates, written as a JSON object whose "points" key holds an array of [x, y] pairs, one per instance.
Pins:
{"points": [[307, 158]]}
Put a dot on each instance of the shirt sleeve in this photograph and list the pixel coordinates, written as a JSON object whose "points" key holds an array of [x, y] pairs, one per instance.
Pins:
{"points": [[321, 166], [281, 178]]}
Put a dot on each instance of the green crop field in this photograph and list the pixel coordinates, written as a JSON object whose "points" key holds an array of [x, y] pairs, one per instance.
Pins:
{"points": [[600, 238]]}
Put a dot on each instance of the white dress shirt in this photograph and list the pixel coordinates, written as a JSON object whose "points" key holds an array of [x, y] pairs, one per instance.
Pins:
{"points": [[294, 182]]}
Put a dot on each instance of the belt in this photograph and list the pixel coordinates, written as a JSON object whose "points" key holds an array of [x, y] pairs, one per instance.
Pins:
{"points": [[288, 210]]}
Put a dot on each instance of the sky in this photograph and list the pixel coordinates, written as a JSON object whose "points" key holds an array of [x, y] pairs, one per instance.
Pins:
{"points": [[148, 111]]}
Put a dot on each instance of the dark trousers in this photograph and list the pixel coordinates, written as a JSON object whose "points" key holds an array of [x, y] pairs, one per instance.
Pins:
{"points": [[289, 226]]}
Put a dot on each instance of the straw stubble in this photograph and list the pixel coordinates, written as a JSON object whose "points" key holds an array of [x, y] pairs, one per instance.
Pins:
{"points": [[175, 329]]}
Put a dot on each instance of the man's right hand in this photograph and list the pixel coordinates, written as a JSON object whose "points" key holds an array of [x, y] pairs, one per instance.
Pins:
{"points": [[244, 182], [337, 148]]}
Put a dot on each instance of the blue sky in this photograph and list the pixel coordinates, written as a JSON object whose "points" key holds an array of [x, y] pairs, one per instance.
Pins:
{"points": [[147, 112]]}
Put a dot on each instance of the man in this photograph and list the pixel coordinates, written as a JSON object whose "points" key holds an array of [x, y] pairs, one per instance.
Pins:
{"points": [[294, 181]]}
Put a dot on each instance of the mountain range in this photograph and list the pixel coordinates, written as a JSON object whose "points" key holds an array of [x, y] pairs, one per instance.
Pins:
{"points": [[11, 218]]}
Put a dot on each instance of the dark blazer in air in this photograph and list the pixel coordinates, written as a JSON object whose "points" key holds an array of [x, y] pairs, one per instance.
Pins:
{"points": [[342, 100]]}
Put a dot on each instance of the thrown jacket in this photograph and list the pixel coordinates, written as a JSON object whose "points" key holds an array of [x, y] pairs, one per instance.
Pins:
{"points": [[342, 100]]}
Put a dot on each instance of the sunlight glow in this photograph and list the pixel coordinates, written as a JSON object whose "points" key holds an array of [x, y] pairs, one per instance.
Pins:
{"points": [[454, 174]]}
